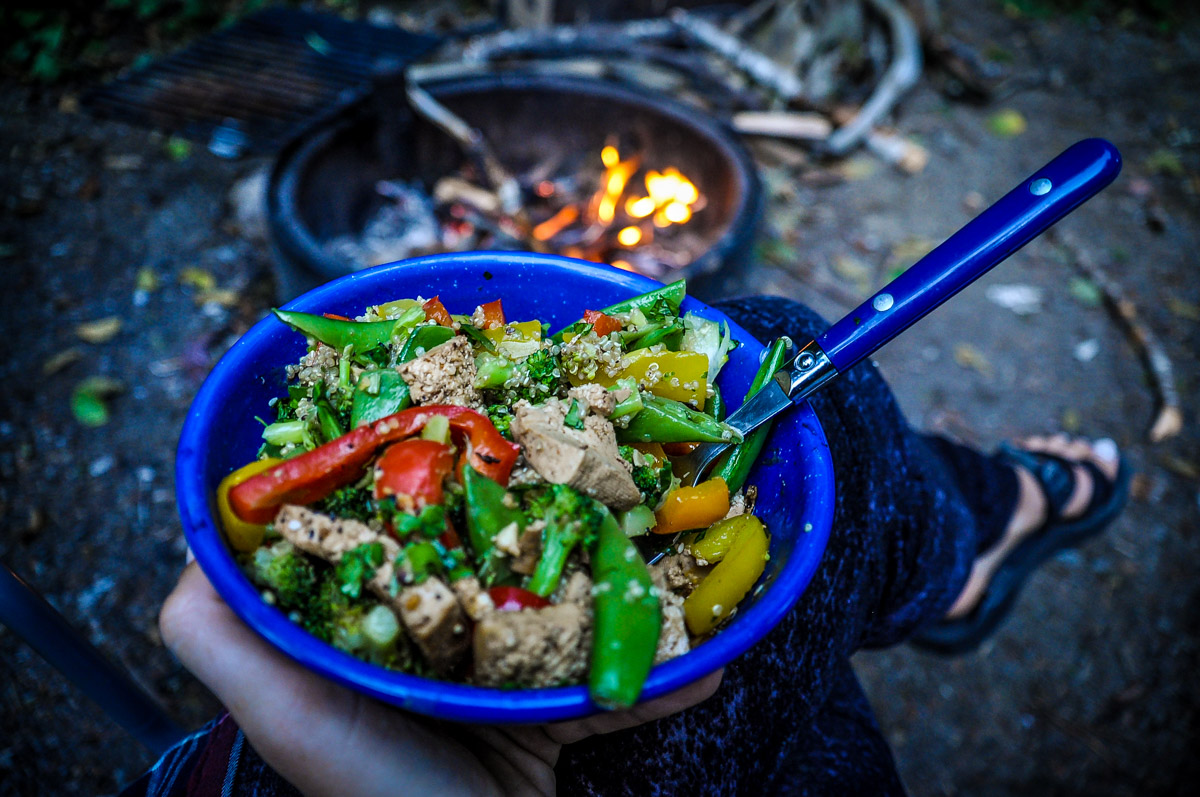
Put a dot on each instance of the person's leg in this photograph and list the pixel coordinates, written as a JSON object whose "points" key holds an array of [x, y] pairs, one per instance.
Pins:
{"points": [[844, 753], [901, 547]]}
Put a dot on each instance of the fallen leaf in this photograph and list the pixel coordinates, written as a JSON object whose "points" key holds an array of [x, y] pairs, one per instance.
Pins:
{"points": [[970, 357], [318, 42], [178, 149], [856, 168], [63, 359], [1007, 123], [777, 252], [198, 278], [912, 249], [147, 280], [88, 409], [853, 270], [1164, 161], [1085, 291], [101, 330], [88, 400], [1071, 421], [1021, 299], [1186, 310], [225, 297]]}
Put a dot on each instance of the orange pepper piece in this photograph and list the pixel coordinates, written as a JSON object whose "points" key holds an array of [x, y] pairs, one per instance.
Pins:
{"points": [[696, 507], [603, 324], [436, 312], [493, 314]]}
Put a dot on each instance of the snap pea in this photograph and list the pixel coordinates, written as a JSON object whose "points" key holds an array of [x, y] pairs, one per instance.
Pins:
{"points": [[735, 466], [664, 420], [487, 515], [628, 619], [423, 339], [331, 427], [363, 335], [715, 406], [673, 293], [378, 395], [383, 392]]}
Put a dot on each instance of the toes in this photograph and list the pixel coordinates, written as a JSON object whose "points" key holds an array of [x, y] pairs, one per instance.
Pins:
{"points": [[1106, 456]]}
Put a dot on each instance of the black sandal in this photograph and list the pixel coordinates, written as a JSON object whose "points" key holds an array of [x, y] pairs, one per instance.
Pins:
{"points": [[1056, 477]]}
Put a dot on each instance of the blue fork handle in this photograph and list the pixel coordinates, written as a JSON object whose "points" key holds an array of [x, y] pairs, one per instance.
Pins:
{"points": [[1021, 215]]}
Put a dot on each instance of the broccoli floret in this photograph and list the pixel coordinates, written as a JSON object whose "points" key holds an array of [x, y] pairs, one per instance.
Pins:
{"points": [[357, 566], [501, 417], [350, 502], [571, 518], [653, 478], [534, 379], [287, 573]]}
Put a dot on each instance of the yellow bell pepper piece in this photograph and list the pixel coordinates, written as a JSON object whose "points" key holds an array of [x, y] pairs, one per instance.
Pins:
{"points": [[516, 340], [698, 507], [723, 589], [679, 375], [713, 544], [241, 535], [520, 332]]}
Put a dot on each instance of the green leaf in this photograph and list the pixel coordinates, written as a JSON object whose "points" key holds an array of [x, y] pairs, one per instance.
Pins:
{"points": [[1085, 292], [178, 149], [1007, 123], [88, 403], [88, 409]]}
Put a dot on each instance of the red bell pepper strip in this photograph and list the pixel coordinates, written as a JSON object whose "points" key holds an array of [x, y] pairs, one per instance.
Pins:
{"points": [[487, 450], [603, 324], [511, 599], [414, 468], [306, 478], [493, 314], [335, 316], [315, 474], [436, 312]]}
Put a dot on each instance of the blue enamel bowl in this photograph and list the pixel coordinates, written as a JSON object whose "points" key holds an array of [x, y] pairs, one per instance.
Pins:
{"points": [[794, 474]]}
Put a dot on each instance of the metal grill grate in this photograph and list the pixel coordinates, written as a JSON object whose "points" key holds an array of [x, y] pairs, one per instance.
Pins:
{"points": [[250, 87]]}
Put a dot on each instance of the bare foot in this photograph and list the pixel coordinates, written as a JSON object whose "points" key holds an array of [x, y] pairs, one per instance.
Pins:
{"points": [[1031, 507]]}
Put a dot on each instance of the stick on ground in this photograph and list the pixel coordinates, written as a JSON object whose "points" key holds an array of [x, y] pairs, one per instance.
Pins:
{"points": [[1169, 420]]}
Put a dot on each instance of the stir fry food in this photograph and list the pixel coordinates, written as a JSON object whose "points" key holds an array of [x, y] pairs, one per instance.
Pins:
{"points": [[463, 496]]}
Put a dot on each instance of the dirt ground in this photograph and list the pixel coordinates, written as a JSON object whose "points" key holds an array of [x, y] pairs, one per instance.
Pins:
{"points": [[1090, 688]]}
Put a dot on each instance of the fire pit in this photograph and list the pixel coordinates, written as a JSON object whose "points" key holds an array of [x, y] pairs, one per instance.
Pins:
{"points": [[607, 173]]}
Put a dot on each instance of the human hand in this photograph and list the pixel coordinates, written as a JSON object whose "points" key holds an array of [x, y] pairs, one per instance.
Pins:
{"points": [[329, 740]]}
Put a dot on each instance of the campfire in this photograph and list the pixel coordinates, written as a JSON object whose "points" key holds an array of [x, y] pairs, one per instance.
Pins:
{"points": [[614, 208], [574, 167]]}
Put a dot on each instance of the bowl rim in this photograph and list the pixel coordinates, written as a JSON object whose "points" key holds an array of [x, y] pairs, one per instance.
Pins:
{"points": [[444, 699]]}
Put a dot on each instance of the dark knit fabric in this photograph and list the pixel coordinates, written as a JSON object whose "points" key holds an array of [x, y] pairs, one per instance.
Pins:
{"points": [[789, 717], [989, 489]]}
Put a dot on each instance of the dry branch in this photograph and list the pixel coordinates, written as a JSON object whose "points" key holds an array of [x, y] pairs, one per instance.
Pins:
{"points": [[472, 141], [757, 66], [783, 124], [1169, 420], [901, 75]]}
